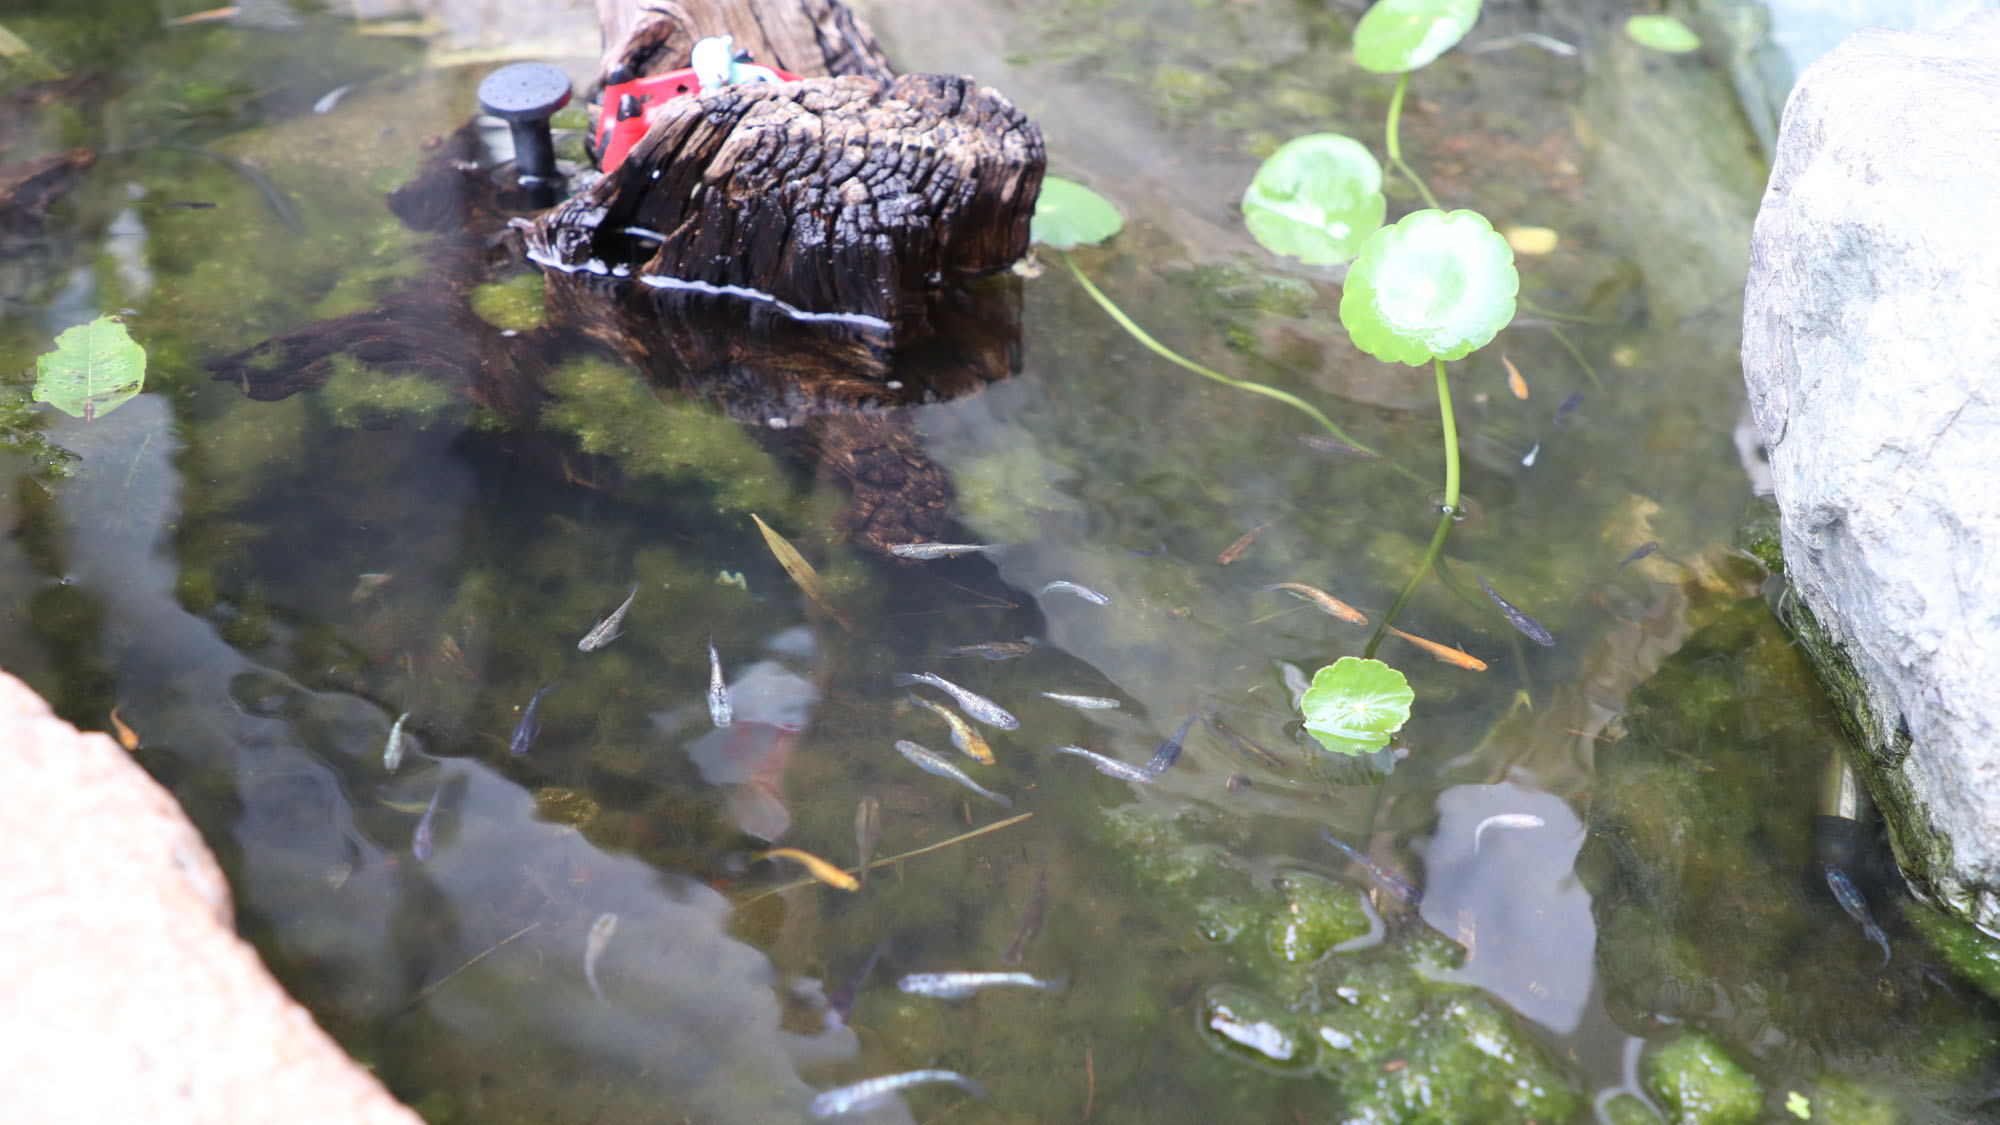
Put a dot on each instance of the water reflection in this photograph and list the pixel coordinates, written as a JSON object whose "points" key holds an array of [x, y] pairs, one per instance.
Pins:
{"points": [[485, 940]]}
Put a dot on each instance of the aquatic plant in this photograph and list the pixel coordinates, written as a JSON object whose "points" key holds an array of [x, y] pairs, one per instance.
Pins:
{"points": [[1662, 33], [94, 370], [1068, 215], [1355, 704]]}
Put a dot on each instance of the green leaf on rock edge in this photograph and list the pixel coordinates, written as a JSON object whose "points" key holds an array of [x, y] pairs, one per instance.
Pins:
{"points": [[1433, 285], [1317, 198], [1399, 35], [1068, 214], [94, 369], [1354, 705], [1662, 33]]}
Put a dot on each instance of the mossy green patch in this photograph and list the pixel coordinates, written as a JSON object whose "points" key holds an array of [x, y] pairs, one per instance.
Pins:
{"points": [[1317, 915], [515, 303], [359, 396], [1700, 1084], [610, 410]]}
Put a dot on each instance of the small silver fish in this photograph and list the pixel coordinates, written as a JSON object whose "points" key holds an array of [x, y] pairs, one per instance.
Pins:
{"points": [[1529, 627], [873, 1092], [1850, 899], [936, 764], [958, 986], [1528, 458], [420, 841], [365, 585], [1081, 591], [529, 727], [606, 631], [1505, 820], [938, 550], [331, 98], [973, 704], [991, 650], [718, 692], [392, 752], [593, 948], [1393, 883], [1083, 702], [1112, 767]]}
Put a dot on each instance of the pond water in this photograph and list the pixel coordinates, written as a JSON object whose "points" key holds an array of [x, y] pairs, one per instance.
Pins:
{"points": [[1621, 917]]}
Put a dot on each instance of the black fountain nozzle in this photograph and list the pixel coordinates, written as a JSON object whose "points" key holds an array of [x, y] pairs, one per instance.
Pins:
{"points": [[525, 96]]}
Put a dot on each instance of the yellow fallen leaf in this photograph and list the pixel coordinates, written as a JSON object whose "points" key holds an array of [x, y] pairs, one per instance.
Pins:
{"points": [[1532, 240]]}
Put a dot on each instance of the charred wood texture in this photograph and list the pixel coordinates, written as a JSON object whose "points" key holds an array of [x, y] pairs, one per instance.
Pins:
{"points": [[844, 195]]}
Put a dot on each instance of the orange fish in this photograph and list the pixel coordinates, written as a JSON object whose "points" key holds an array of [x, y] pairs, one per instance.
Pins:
{"points": [[1444, 653], [127, 737], [822, 870], [1514, 381], [1323, 600], [1236, 549]]}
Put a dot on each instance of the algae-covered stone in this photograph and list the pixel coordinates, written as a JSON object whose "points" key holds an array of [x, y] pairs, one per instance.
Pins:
{"points": [[1318, 914], [1694, 1077], [1840, 1100], [515, 304], [1627, 1109], [1256, 1029], [1971, 953], [360, 396]]}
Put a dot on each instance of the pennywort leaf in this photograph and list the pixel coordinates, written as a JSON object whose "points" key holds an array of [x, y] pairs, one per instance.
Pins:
{"points": [[95, 368]]}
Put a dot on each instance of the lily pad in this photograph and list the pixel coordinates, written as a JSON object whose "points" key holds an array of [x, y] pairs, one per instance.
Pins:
{"points": [[1400, 35], [1317, 198], [1432, 286], [1068, 214], [1354, 705], [1662, 33], [94, 369]]}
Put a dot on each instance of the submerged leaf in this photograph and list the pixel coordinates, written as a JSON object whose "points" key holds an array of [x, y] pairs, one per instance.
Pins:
{"points": [[1068, 214], [1662, 33], [1433, 285], [94, 369], [1354, 705], [1400, 35], [1317, 198]]}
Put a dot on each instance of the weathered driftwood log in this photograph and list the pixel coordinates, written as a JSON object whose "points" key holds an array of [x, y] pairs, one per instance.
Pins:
{"points": [[30, 188], [809, 38]]}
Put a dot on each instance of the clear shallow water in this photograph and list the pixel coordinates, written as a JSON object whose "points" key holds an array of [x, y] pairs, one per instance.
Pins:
{"points": [[203, 569]]}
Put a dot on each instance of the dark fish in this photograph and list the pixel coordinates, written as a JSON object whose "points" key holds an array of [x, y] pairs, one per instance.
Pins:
{"points": [[1031, 921], [1640, 552], [1170, 750], [529, 727], [1245, 746], [1326, 444], [1154, 553], [867, 830], [1529, 627], [991, 650], [1393, 883], [840, 1005], [1571, 403], [280, 206], [1849, 897], [420, 842], [191, 204]]}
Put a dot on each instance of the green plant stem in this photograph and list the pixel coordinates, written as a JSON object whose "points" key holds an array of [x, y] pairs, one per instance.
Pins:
{"points": [[1395, 143], [1533, 309], [1450, 516], [1563, 339], [1164, 352]]}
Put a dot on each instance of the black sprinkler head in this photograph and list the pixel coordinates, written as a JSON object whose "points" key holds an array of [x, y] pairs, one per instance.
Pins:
{"points": [[525, 96]]}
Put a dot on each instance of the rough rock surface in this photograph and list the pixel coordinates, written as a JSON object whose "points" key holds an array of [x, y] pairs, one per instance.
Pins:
{"points": [[129, 996], [1871, 349]]}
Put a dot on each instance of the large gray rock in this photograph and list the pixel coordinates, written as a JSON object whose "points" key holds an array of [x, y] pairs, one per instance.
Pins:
{"points": [[1871, 348]]}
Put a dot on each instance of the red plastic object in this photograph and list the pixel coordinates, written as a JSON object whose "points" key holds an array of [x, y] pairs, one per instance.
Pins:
{"points": [[617, 134]]}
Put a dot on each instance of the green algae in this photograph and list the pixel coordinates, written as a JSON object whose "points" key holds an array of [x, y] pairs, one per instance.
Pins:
{"points": [[1694, 1077], [609, 410], [1971, 953], [1318, 914], [515, 304], [356, 395]]}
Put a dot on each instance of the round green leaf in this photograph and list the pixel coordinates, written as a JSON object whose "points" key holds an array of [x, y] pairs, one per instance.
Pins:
{"points": [[95, 368], [1354, 705], [1317, 198], [1433, 285], [1400, 35], [1068, 214], [1662, 33]]}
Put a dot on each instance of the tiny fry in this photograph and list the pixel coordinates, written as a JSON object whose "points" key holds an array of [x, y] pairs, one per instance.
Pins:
{"points": [[127, 737], [1514, 381]]}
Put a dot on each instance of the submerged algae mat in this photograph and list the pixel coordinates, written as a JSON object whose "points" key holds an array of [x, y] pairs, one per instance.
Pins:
{"points": [[263, 589]]}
